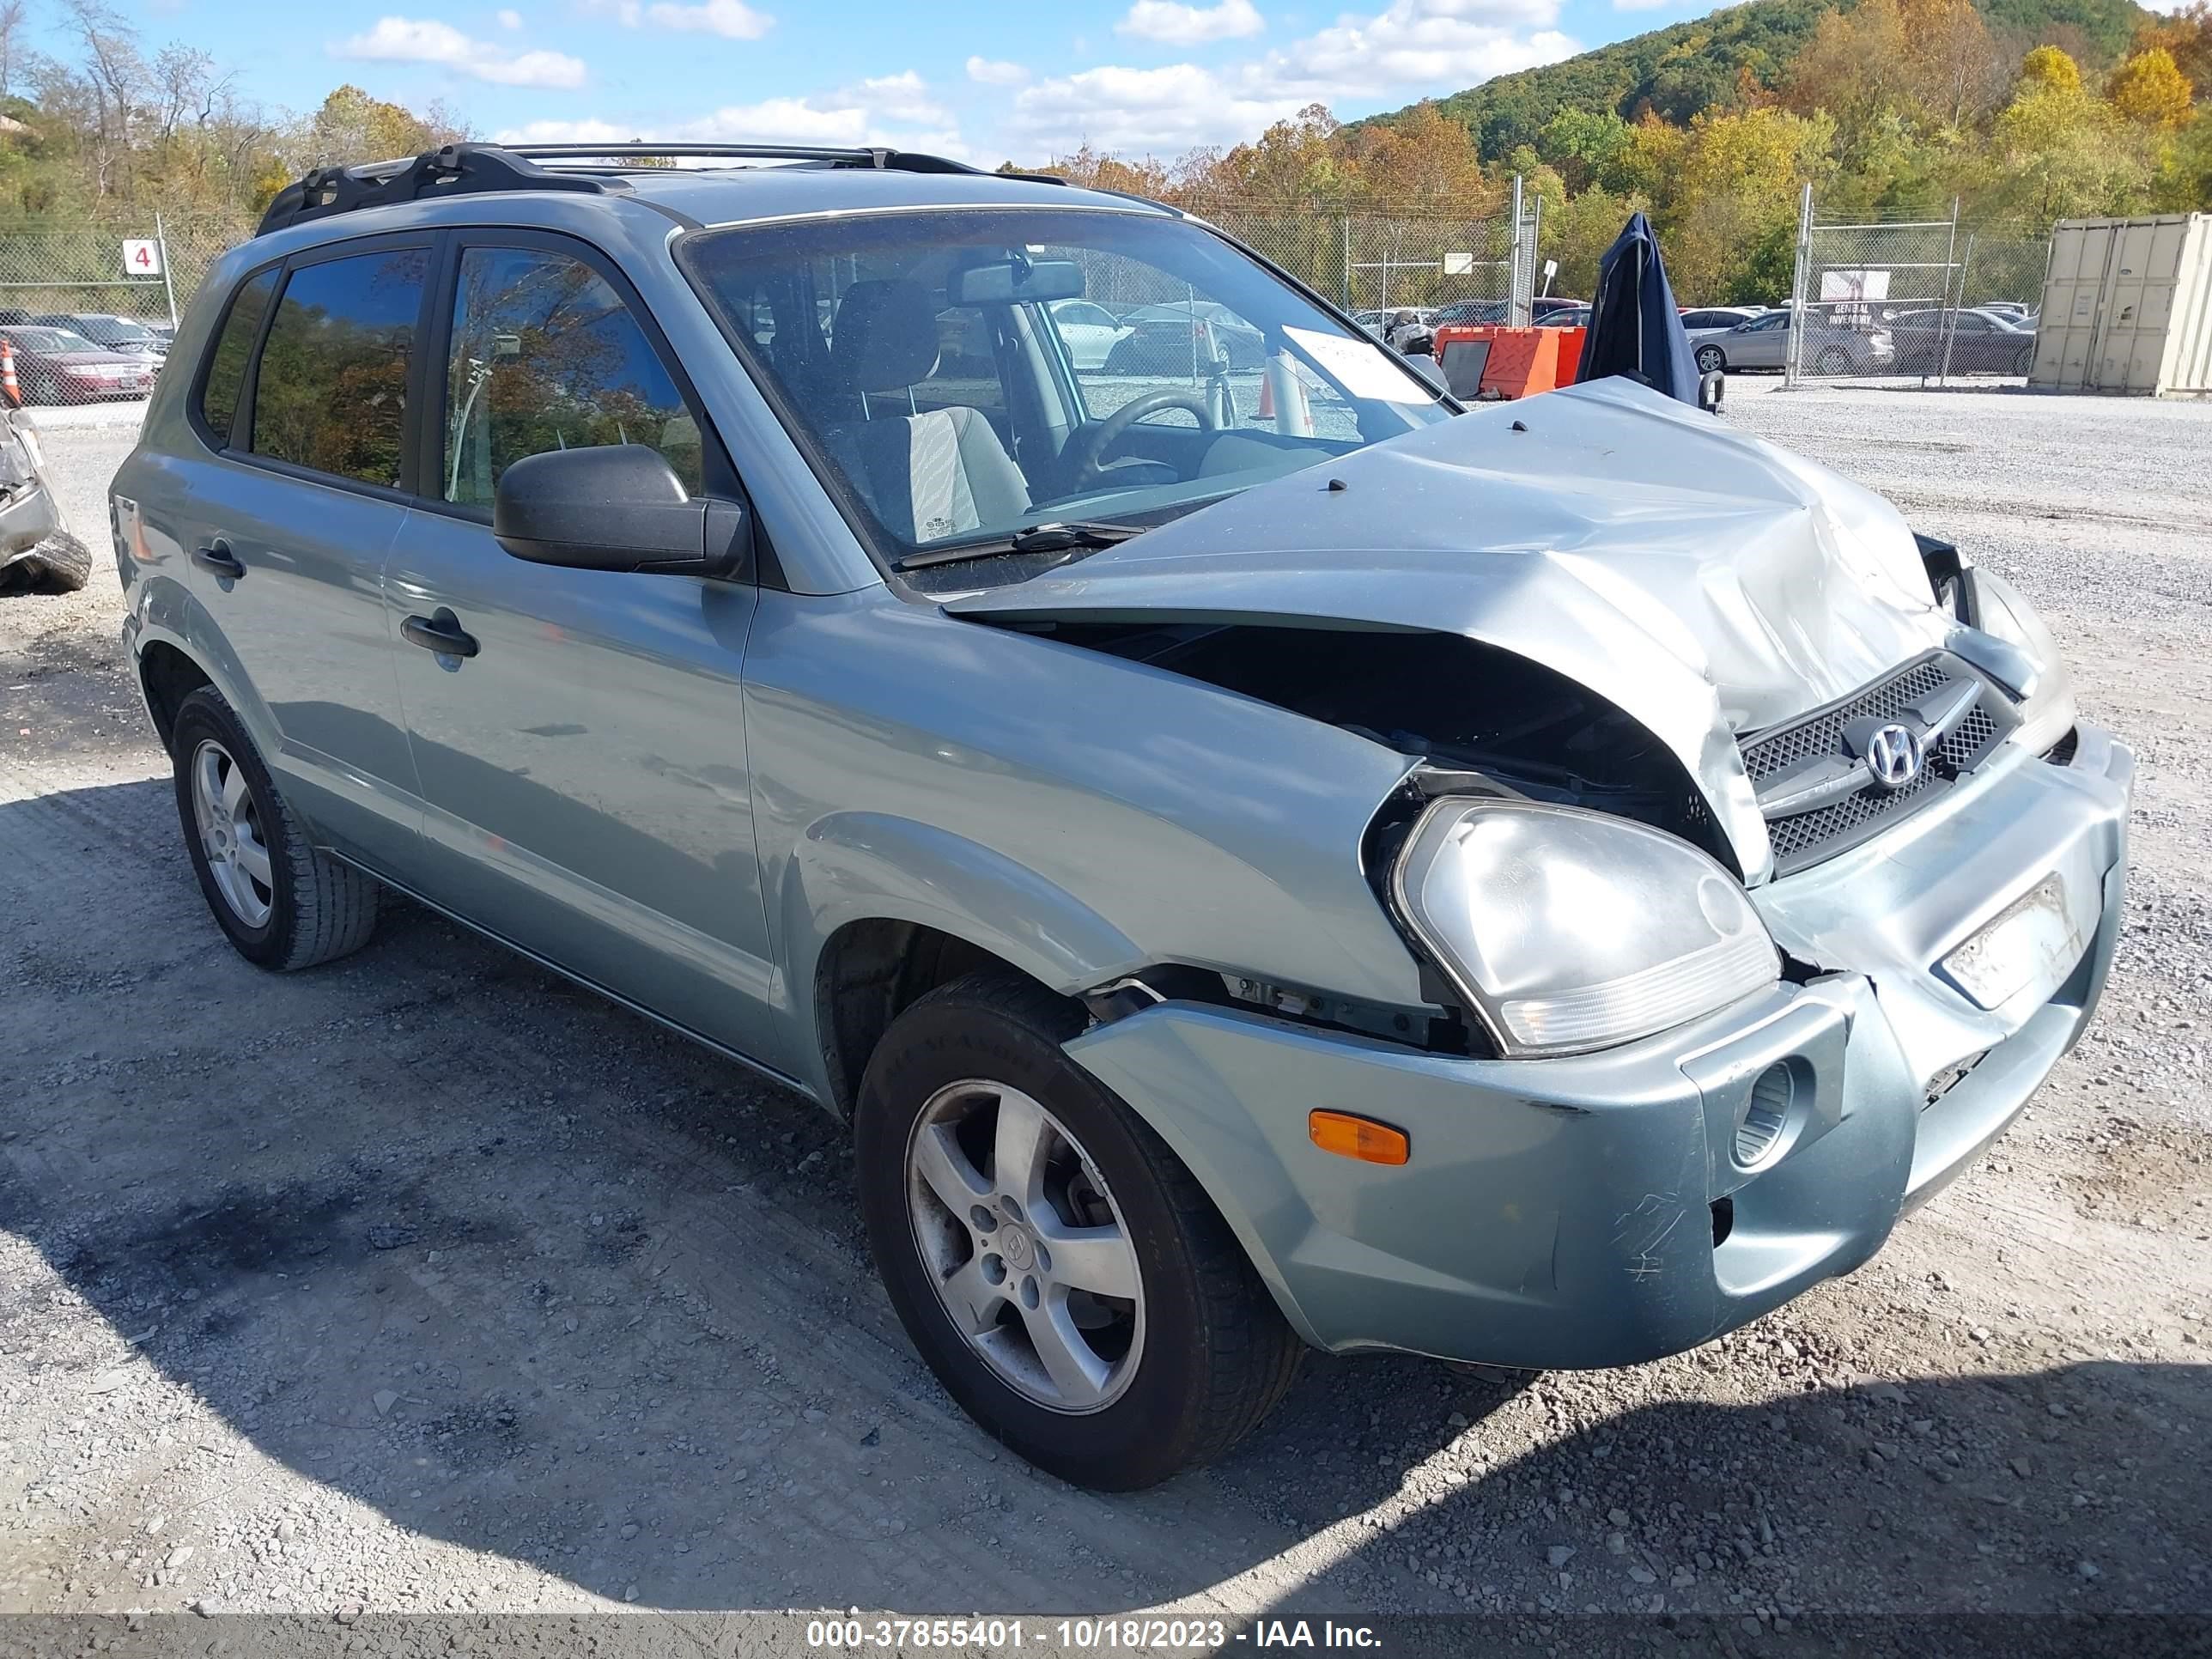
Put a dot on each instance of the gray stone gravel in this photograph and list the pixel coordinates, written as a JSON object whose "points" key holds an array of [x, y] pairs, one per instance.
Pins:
{"points": [[426, 1283]]}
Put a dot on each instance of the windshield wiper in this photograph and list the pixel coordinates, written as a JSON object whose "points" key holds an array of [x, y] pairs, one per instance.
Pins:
{"points": [[1054, 537]]}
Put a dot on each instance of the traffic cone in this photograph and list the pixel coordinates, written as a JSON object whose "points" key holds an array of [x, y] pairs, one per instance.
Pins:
{"points": [[7, 383]]}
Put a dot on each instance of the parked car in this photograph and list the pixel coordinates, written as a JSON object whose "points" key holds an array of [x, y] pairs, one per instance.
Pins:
{"points": [[1720, 317], [1089, 331], [1542, 308], [1573, 316], [37, 552], [1237, 897], [55, 366], [1980, 342], [2013, 311], [1763, 342], [1464, 313], [111, 333], [1184, 338]]}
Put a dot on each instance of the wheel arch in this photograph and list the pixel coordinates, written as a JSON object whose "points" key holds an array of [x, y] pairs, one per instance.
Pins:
{"points": [[876, 910]]}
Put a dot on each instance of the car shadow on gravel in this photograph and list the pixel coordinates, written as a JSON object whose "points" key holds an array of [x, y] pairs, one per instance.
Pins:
{"points": [[520, 1272]]}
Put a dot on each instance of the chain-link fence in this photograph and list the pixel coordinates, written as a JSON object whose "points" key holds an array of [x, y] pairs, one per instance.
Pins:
{"points": [[1928, 299], [143, 272], [1385, 262]]}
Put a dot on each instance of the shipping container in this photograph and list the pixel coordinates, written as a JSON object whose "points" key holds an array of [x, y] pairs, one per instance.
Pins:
{"points": [[2127, 308]]}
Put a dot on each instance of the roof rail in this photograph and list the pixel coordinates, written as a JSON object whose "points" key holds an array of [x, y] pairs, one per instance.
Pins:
{"points": [[877, 157], [467, 170], [455, 170]]}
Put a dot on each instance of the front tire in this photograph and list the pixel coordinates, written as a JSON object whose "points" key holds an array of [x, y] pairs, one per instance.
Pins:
{"points": [[1710, 359], [1833, 359], [283, 904], [1059, 1269]]}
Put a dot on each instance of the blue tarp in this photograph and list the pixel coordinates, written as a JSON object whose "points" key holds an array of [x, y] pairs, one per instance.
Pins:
{"points": [[1635, 328]]}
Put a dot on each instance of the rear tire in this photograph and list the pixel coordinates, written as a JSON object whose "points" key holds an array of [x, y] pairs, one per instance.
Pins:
{"points": [[283, 904], [1165, 1379], [1833, 359]]}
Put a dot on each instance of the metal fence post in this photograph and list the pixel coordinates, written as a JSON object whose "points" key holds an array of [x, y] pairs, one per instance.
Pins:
{"points": [[168, 283], [1951, 268], [1517, 316], [1798, 286], [1951, 318], [1344, 221]]}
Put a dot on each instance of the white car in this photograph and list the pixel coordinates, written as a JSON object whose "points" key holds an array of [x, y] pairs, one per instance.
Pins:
{"points": [[1088, 329]]}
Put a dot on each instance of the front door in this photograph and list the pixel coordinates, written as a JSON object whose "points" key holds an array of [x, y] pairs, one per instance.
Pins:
{"points": [[582, 748]]}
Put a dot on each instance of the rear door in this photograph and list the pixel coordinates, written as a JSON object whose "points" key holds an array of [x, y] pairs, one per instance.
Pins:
{"points": [[1763, 341], [583, 771], [283, 523]]}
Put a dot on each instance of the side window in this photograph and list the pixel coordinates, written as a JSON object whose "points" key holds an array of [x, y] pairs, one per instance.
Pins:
{"points": [[545, 355], [226, 370], [331, 390]]}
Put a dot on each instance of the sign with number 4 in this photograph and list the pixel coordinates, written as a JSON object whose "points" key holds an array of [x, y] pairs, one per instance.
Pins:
{"points": [[141, 256]]}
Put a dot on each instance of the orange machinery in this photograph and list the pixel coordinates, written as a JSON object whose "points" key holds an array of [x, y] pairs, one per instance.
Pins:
{"points": [[1489, 360]]}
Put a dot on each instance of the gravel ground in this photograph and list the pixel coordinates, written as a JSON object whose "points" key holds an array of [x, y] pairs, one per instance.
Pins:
{"points": [[425, 1281]]}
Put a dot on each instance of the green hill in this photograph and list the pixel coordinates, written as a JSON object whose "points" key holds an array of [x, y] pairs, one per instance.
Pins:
{"points": [[1678, 70]]}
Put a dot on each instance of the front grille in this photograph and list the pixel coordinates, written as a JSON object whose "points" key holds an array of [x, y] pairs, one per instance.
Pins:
{"points": [[1800, 839]]}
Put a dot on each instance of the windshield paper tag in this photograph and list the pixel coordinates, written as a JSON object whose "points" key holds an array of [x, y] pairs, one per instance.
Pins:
{"points": [[1363, 369]]}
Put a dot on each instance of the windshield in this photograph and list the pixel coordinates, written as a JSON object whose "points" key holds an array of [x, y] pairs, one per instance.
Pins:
{"points": [[114, 330], [961, 376]]}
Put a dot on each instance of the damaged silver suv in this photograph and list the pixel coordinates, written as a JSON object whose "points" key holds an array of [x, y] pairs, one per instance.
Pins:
{"points": [[1260, 859]]}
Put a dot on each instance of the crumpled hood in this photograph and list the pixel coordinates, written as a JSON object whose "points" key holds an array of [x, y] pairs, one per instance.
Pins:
{"points": [[1704, 581]]}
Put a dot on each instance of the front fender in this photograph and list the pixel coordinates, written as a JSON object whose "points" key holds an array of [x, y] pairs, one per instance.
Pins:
{"points": [[861, 867]]}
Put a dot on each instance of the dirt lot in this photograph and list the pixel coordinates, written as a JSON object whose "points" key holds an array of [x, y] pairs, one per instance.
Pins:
{"points": [[425, 1281]]}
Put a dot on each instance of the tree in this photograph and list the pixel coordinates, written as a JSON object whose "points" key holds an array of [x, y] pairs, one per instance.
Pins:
{"points": [[352, 127], [2148, 89], [2049, 70], [2186, 37], [2059, 153]]}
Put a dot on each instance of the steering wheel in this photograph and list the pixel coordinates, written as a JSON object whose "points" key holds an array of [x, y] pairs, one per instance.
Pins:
{"points": [[1109, 433]]}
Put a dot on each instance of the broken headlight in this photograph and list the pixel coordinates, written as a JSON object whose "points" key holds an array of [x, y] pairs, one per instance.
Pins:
{"points": [[2046, 693], [1565, 930]]}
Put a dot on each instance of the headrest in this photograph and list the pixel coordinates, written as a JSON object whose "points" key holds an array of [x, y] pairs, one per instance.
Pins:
{"points": [[885, 337]]}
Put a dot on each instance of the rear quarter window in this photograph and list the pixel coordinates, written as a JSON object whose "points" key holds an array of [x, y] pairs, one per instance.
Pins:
{"points": [[233, 344]]}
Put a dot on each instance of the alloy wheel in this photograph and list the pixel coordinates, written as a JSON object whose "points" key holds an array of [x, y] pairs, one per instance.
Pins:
{"points": [[1028, 1252], [229, 823]]}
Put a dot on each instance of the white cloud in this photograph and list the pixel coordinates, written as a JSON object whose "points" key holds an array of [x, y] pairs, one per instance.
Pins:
{"points": [[1180, 25], [1412, 48], [993, 74], [412, 41], [733, 20], [897, 110], [510, 18]]}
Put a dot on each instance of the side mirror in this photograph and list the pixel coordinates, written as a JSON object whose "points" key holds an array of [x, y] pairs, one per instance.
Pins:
{"points": [[616, 506], [1709, 389], [1430, 370]]}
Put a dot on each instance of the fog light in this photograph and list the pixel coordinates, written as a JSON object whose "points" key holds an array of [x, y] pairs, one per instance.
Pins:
{"points": [[1763, 1114]]}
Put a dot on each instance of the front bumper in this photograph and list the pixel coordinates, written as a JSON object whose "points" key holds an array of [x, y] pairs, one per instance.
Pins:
{"points": [[1590, 1210], [27, 518]]}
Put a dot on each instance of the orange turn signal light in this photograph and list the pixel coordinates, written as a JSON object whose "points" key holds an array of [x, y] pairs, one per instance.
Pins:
{"points": [[1362, 1138]]}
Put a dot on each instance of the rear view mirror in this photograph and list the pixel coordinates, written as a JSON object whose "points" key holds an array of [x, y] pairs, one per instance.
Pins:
{"points": [[615, 507], [1018, 281]]}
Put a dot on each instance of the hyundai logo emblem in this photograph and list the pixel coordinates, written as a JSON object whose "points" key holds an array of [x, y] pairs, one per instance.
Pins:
{"points": [[1894, 756]]}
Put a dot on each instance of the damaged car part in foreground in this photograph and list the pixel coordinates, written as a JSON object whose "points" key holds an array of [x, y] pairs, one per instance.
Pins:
{"points": [[1263, 859], [37, 552]]}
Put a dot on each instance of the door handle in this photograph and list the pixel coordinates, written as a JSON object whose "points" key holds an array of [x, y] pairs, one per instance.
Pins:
{"points": [[218, 557], [440, 632]]}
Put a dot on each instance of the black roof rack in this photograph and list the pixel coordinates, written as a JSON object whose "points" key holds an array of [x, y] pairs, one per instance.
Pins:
{"points": [[469, 169]]}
